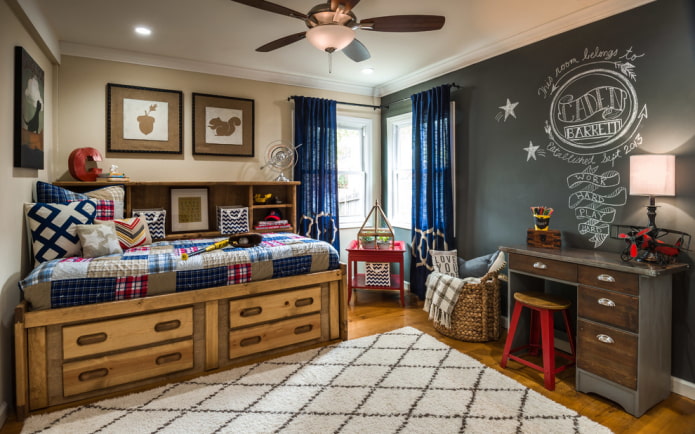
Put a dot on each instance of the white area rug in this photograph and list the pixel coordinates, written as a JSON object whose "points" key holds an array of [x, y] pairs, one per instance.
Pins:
{"points": [[401, 381]]}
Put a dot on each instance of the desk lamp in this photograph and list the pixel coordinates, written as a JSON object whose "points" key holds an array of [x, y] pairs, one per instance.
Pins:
{"points": [[652, 175]]}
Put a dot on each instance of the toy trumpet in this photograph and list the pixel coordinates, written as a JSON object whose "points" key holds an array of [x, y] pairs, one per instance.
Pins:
{"points": [[218, 245]]}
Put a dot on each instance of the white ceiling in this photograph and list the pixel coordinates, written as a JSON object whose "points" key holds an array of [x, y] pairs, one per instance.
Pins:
{"points": [[220, 37]]}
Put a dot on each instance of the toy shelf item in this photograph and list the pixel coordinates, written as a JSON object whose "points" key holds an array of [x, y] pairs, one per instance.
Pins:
{"points": [[376, 231]]}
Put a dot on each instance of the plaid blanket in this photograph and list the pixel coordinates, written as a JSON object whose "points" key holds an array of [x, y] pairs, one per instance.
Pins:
{"points": [[442, 293], [158, 269]]}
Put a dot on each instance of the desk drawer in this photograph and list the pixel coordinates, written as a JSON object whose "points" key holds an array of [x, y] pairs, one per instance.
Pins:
{"points": [[609, 279], [607, 352], [613, 308], [543, 267]]}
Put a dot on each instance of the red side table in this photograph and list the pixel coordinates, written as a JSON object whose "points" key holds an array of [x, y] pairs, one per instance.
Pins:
{"points": [[394, 255]]}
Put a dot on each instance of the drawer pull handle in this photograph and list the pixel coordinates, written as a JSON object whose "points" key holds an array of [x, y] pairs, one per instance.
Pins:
{"points": [[167, 325], [304, 302], [606, 302], [93, 374], [168, 358], [251, 311], [303, 329], [253, 340], [605, 339], [539, 265], [95, 338], [606, 278]]}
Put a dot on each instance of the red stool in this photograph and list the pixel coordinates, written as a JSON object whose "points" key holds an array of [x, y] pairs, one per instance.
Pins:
{"points": [[542, 307]]}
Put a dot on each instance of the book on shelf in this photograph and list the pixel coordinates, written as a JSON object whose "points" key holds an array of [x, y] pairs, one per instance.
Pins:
{"points": [[112, 177], [265, 227]]}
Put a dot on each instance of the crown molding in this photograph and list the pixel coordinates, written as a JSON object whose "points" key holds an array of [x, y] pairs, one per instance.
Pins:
{"points": [[137, 58], [568, 22]]}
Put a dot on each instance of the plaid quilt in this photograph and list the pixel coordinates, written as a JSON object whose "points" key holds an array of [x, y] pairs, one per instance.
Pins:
{"points": [[158, 269]]}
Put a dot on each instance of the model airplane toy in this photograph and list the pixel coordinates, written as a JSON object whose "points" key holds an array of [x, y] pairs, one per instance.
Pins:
{"points": [[654, 245]]}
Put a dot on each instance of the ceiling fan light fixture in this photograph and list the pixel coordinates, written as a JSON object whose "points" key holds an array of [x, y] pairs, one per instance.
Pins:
{"points": [[330, 37]]}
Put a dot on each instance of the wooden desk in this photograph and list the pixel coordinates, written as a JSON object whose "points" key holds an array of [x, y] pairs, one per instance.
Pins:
{"points": [[623, 319], [357, 280]]}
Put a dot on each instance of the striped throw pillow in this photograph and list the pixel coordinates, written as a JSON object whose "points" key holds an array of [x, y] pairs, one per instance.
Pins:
{"points": [[132, 232]]}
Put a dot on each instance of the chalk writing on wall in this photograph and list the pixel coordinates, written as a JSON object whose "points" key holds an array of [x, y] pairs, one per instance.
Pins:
{"points": [[593, 118]]}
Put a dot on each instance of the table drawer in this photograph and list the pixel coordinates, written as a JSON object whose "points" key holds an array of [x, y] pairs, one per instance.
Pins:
{"points": [[607, 352], [119, 334], [543, 267], [108, 371], [613, 308], [609, 279], [271, 307], [265, 337]]}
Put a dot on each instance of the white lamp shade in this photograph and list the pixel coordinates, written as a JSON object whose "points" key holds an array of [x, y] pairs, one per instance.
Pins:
{"points": [[653, 175], [330, 37]]}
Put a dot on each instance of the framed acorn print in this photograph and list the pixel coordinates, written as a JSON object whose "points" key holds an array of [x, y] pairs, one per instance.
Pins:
{"points": [[143, 119]]}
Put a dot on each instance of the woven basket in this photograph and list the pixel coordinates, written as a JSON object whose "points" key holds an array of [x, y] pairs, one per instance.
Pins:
{"points": [[476, 314]]}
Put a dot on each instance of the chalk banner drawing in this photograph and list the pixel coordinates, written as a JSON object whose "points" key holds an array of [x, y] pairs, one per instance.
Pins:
{"points": [[594, 118]]}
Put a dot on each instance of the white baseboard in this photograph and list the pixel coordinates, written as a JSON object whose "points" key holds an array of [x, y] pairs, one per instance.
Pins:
{"points": [[678, 385], [682, 387], [3, 413]]}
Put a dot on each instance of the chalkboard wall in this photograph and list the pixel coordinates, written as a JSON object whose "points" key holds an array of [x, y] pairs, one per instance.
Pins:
{"points": [[554, 124]]}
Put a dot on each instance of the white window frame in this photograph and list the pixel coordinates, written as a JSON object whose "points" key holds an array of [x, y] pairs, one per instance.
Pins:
{"points": [[392, 124], [366, 125]]}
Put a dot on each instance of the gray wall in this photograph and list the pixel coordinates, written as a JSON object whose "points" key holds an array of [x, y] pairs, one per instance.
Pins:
{"points": [[645, 55]]}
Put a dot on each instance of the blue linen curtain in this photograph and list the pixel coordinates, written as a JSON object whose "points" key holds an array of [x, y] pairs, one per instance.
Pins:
{"points": [[315, 138], [433, 214]]}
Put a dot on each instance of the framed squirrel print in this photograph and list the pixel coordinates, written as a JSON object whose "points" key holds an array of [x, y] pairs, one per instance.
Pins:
{"points": [[222, 125]]}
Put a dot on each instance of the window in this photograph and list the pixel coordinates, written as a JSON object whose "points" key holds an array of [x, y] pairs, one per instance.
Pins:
{"points": [[400, 168], [354, 151]]}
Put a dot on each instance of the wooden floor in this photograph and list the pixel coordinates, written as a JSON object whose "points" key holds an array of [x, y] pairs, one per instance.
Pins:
{"points": [[376, 312]]}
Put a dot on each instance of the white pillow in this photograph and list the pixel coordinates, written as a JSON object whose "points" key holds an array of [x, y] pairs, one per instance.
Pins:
{"points": [[445, 262]]}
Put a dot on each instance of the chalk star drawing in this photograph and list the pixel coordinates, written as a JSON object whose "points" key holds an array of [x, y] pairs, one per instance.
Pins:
{"points": [[532, 150], [508, 110]]}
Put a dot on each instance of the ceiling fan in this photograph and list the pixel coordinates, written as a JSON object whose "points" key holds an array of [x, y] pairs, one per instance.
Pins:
{"points": [[332, 26]]}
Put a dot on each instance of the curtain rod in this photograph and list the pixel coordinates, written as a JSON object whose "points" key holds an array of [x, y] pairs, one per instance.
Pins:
{"points": [[453, 85], [374, 107]]}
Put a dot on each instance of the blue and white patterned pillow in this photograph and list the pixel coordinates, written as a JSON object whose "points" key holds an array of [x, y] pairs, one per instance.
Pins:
{"points": [[49, 193], [53, 228]]}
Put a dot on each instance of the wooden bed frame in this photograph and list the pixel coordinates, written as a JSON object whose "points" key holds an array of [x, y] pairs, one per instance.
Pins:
{"points": [[77, 354]]}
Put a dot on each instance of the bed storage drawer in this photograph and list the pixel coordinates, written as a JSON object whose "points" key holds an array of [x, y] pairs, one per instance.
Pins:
{"points": [[253, 310], [265, 337], [119, 334], [607, 352], [107, 371]]}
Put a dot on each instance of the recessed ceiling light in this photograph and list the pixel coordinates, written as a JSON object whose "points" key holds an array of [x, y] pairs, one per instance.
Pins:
{"points": [[144, 31], [368, 70]]}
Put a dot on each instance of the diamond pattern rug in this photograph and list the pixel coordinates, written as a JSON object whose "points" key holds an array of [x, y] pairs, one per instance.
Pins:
{"points": [[401, 381]]}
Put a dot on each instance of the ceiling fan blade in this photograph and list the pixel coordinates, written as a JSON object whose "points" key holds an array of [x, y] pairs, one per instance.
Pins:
{"points": [[357, 51], [272, 7], [347, 4], [403, 23], [279, 43]]}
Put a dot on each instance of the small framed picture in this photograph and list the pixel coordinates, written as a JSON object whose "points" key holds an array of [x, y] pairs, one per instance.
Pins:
{"points": [[222, 125], [189, 209], [143, 119]]}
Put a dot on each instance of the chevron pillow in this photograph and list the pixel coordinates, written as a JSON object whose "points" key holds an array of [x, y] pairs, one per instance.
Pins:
{"points": [[53, 228], [132, 232]]}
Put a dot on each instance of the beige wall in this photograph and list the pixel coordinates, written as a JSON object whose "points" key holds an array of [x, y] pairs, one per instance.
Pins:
{"points": [[81, 114], [15, 188]]}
